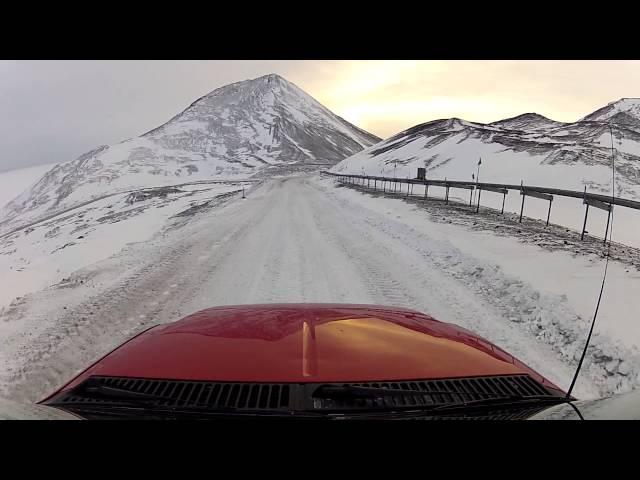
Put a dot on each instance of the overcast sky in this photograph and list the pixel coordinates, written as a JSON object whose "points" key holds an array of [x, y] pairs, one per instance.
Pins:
{"points": [[53, 111]]}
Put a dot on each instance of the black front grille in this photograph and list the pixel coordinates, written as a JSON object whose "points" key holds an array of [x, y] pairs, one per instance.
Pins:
{"points": [[180, 393], [458, 390], [293, 397]]}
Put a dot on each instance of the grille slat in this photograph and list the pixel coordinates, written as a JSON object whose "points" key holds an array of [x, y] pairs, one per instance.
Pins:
{"points": [[224, 395], [187, 393], [233, 396], [244, 396], [284, 396]]}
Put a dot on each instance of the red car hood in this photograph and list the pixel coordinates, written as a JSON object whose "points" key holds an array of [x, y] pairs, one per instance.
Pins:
{"points": [[307, 343]]}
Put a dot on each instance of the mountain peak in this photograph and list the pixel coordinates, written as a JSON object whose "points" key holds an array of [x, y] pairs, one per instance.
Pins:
{"points": [[626, 102], [625, 111], [526, 120], [264, 82]]}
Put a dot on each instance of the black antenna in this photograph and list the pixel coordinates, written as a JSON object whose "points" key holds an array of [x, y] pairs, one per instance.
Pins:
{"points": [[606, 265]]}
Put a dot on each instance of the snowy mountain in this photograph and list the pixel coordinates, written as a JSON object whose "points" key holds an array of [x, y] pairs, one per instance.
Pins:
{"points": [[529, 148], [625, 111], [14, 182], [232, 132]]}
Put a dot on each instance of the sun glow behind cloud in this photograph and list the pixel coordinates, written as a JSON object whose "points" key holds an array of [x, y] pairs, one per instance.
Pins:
{"points": [[388, 96]]}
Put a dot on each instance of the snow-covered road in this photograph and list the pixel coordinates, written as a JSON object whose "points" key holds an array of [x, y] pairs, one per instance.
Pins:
{"points": [[304, 239]]}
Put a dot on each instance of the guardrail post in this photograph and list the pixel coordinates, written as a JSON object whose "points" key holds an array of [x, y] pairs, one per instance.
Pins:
{"points": [[584, 226], [470, 195], [407, 189], [606, 230], [504, 197], [375, 184], [522, 206], [446, 195], [549, 213], [426, 191], [479, 192]]}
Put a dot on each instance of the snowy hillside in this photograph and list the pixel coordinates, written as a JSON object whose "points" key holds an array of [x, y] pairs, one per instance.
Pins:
{"points": [[14, 182], [625, 111], [232, 132], [528, 148], [527, 121], [44, 253]]}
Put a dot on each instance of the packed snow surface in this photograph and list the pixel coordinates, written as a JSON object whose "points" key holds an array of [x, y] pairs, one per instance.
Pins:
{"points": [[307, 239]]}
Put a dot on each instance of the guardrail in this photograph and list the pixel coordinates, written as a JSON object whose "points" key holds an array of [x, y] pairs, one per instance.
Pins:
{"points": [[603, 202]]}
